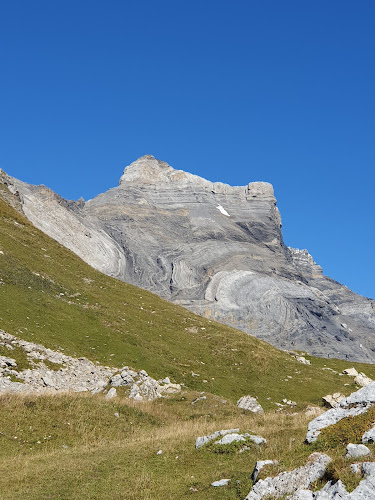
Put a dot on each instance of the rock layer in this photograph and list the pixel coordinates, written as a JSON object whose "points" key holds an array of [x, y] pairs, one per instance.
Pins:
{"points": [[215, 249]]}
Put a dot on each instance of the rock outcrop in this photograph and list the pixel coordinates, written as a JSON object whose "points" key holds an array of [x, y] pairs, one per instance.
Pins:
{"points": [[289, 482], [215, 249], [337, 491], [358, 402], [72, 374]]}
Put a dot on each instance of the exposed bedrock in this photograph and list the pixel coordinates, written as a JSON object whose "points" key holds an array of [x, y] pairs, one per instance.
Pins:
{"points": [[215, 249]]}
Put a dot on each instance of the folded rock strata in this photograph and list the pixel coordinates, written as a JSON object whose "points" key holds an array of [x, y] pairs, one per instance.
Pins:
{"points": [[215, 249]]}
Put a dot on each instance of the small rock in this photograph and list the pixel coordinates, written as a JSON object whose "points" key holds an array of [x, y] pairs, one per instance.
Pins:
{"points": [[201, 398], [362, 380], [250, 404], [137, 397], [116, 381], [127, 378], [169, 388], [352, 372], [333, 400], [47, 381], [112, 393], [221, 482], [231, 438], [356, 451], [202, 440], [302, 359], [356, 468], [4, 362], [256, 439], [369, 436], [259, 466]]}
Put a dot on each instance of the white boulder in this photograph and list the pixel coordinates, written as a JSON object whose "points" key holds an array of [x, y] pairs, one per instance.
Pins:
{"points": [[250, 404], [356, 450]]}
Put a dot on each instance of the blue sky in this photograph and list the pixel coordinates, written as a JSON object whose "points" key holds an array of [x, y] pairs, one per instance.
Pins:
{"points": [[280, 91]]}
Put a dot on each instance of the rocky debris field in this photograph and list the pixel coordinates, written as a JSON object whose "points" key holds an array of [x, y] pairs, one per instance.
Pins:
{"points": [[72, 374]]}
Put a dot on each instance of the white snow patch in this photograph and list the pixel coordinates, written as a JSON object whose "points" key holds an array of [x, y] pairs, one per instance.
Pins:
{"points": [[222, 210]]}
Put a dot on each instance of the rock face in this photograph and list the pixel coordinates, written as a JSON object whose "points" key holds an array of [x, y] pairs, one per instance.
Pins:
{"points": [[215, 249]]}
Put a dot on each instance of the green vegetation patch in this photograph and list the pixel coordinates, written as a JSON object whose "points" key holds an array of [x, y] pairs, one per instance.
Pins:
{"points": [[16, 353], [47, 423]]}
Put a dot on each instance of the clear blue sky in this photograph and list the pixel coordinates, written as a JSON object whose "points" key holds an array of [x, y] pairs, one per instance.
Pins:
{"points": [[280, 91]]}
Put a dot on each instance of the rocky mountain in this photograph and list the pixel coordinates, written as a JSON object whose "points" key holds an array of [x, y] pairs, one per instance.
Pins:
{"points": [[215, 249]]}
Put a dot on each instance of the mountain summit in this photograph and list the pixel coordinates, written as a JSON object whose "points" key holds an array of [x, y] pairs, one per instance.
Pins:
{"points": [[216, 249]]}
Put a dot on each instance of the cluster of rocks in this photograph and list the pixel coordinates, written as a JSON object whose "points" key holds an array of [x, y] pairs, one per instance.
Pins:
{"points": [[355, 404], [72, 374], [359, 378], [142, 386], [294, 485], [227, 437], [334, 400]]}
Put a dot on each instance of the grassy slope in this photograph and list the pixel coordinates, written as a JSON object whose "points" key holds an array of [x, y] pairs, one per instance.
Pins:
{"points": [[50, 296], [74, 447]]}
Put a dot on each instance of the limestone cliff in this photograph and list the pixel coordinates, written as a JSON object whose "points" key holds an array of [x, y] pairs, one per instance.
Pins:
{"points": [[216, 249]]}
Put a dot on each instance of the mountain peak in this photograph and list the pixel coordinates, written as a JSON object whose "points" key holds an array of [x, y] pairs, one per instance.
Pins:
{"points": [[147, 170]]}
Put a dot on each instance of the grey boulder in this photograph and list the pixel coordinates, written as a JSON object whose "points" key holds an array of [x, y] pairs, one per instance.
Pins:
{"points": [[356, 450], [249, 403]]}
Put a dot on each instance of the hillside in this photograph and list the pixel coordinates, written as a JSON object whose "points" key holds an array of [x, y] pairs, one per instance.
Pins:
{"points": [[82, 446], [215, 249], [48, 295]]}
